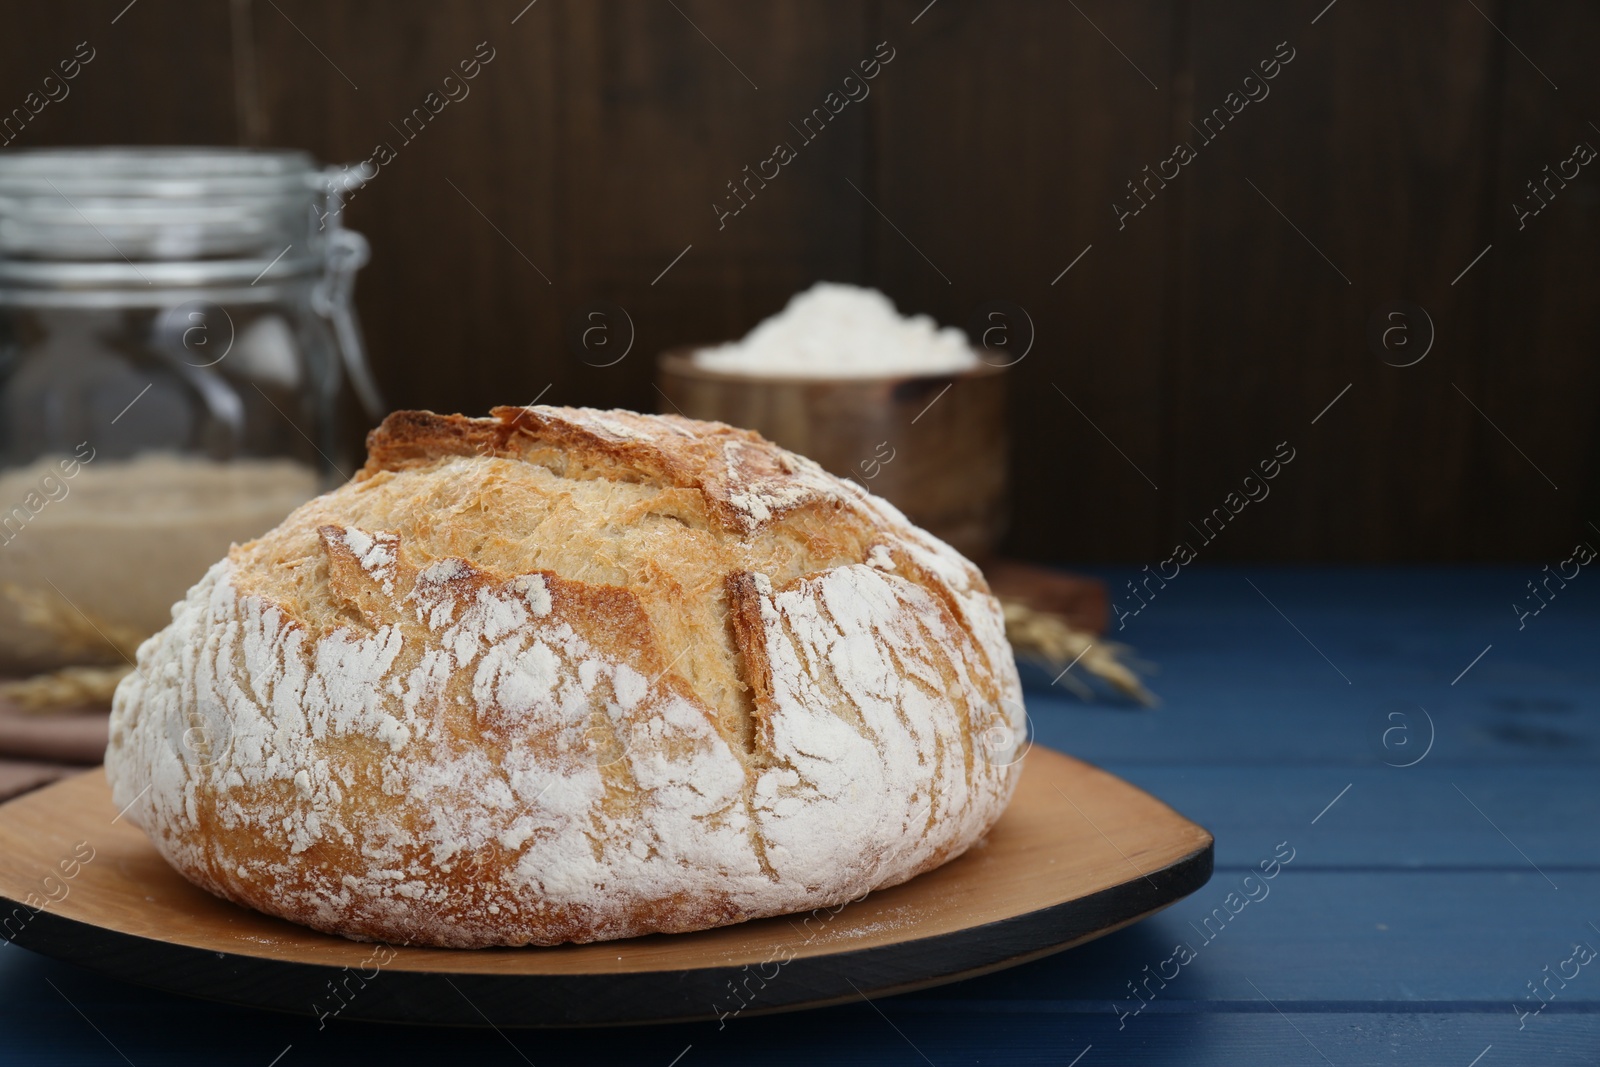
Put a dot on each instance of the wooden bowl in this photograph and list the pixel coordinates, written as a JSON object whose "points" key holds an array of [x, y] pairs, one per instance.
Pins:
{"points": [[934, 446]]}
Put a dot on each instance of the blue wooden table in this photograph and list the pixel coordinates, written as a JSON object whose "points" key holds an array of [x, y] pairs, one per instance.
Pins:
{"points": [[1430, 914]]}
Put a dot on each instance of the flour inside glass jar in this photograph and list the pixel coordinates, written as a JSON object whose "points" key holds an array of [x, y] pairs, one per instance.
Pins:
{"points": [[94, 551]]}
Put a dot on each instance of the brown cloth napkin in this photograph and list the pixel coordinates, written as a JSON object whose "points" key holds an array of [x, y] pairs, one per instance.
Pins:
{"points": [[20, 776], [1081, 601], [37, 748]]}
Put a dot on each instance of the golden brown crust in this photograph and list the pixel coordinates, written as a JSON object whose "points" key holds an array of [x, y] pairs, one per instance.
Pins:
{"points": [[724, 464], [415, 438]]}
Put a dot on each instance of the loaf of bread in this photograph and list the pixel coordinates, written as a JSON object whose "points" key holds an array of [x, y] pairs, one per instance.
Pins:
{"points": [[568, 675]]}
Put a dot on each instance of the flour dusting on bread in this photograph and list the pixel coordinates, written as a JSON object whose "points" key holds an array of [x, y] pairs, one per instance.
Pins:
{"points": [[566, 675]]}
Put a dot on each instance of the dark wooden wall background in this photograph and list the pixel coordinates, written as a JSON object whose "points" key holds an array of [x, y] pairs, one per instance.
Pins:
{"points": [[1195, 339]]}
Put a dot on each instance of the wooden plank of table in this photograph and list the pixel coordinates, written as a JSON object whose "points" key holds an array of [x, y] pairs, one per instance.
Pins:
{"points": [[1409, 939], [1310, 943], [1244, 681], [1276, 726], [1390, 818], [83, 1017], [1316, 629]]}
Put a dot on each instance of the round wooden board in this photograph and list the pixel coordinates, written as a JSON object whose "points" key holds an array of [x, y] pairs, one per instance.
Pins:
{"points": [[1079, 853]]}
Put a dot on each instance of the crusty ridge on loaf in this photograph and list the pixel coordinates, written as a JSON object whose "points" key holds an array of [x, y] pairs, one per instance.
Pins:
{"points": [[744, 479], [564, 674]]}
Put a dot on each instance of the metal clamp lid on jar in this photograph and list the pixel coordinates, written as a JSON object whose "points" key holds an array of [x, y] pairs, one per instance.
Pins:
{"points": [[118, 227]]}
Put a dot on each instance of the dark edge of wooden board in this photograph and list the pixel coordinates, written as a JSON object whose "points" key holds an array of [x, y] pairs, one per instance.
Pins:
{"points": [[437, 998]]}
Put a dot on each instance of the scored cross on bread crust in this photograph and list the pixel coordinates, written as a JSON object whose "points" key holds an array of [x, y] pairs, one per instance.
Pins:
{"points": [[565, 675]]}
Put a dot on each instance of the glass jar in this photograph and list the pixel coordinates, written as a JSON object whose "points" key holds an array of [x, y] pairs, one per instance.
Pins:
{"points": [[180, 366]]}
